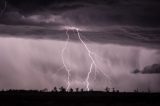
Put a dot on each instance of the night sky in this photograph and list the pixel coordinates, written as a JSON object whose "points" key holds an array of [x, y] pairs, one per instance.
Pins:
{"points": [[122, 35]]}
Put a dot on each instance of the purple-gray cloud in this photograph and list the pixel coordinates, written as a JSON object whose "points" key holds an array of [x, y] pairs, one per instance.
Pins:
{"points": [[90, 12], [123, 22], [151, 69]]}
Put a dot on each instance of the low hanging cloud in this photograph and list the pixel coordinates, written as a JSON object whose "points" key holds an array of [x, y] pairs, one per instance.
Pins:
{"points": [[151, 69], [123, 35], [16, 18]]}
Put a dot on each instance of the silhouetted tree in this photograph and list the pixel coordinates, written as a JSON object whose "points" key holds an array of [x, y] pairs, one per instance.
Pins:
{"points": [[107, 89], [136, 90], [82, 90], [71, 90], [113, 89], [55, 89], [77, 89], [62, 89]]}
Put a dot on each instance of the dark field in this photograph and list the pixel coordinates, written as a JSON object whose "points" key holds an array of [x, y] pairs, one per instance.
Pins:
{"points": [[92, 98]]}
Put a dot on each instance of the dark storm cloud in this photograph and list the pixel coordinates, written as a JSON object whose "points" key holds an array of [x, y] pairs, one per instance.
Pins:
{"points": [[117, 34], [111, 21], [16, 18], [27, 7], [123, 13], [152, 69], [101, 12]]}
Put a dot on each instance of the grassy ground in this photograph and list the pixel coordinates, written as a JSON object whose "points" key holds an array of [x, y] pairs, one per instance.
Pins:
{"points": [[36, 98]]}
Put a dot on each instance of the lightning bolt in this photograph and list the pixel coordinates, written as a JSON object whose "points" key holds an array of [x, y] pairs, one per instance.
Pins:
{"points": [[90, 54], [98, 69], [65, 66]]}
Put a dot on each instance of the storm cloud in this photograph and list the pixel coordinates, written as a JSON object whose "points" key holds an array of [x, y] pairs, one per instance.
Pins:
{"points": [[134, 22], [90, 12], [151, 69]]}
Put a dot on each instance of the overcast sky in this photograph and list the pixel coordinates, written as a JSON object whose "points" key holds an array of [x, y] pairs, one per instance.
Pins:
{"points": [[124, 35]]}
